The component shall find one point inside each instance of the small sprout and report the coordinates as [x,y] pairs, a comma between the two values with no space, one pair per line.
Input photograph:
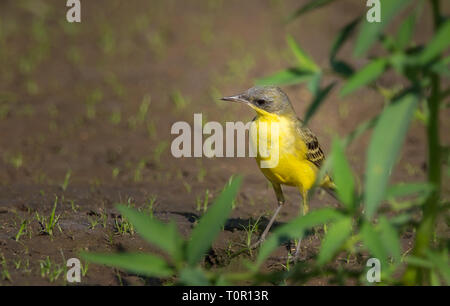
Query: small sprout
[48,224]
[22,229]
[150,205]
[48,269]
[179,101]
[115,173]
[115,117]
[159,150]
[5,272]
[65,184]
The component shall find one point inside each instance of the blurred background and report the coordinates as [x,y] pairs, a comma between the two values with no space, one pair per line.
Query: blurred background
[86,110]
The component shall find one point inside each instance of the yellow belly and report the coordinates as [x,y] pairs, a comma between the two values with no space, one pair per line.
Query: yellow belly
[292,168]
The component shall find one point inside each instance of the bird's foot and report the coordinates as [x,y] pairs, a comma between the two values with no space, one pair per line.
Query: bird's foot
[295,251]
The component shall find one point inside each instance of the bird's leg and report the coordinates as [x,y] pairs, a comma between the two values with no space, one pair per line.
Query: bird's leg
[305,209]
[280,198]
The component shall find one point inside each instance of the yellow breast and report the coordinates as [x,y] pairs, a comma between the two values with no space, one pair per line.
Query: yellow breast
[275,139]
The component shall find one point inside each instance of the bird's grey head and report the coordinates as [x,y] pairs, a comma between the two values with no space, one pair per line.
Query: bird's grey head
[267,98]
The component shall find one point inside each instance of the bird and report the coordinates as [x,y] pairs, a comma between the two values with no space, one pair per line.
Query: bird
[300,156]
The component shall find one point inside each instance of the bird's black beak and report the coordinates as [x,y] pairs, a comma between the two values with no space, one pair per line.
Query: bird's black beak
[238,98]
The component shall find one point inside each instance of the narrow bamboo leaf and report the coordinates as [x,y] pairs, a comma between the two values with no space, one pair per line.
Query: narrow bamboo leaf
[442,67]
[400,220]
[334,239]
[211,223]
[441,262]
[406,32]
[343,176]
[373,243]
[370,31]
[317,102]
[438,44]
[343,35]
[305,61]
[164,236]
[310,6]
[139,263]
[434,278]
[193,277]
[314,83]
[390,239]
[419,262]
[367,74]
[295,229]
[286,77]
[343,68]
[406,189]
[385,144]
[360,129]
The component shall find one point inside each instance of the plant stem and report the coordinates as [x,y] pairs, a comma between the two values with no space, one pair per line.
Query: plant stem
[424,235]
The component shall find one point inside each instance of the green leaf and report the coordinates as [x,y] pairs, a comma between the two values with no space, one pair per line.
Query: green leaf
[401,219]
[295,229]
[314,83]
[442,67]
[441,262]
[211,223]
[342,68]
[390,239]
[343,35]
[334,239]
[317,102]
[360,129]
[418,262]
[385,144]
[190,276]
[367,74]
[139,263]
[406,32]
[434,278]
[343,176]
[164,236]
[406,189]
[372,241]
[369,32]
[438,44]
[286,77]
[311,5]
[305,62]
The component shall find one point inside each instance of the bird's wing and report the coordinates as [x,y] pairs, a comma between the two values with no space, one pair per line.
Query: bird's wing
[313,151]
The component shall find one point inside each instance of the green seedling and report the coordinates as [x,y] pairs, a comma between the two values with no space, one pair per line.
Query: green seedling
[50,270]
[205,201]
[115,173]
[115,117]
[250,230]
[48,224]
[184,254]
[22,230]
[150,205]
[5,271]
[159,150]
[65,184]
[179,101]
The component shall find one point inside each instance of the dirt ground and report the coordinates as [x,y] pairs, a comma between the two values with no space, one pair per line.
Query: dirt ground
[94,103]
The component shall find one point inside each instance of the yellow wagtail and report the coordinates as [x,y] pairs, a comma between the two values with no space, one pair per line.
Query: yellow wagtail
[299,154]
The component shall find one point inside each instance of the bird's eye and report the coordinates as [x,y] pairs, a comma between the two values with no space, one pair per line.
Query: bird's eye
[260,101]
